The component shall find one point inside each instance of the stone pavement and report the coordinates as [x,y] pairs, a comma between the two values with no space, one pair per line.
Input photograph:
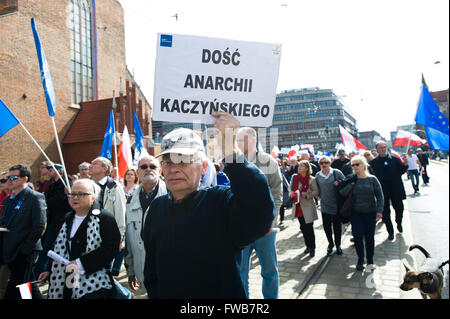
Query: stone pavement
[333,277]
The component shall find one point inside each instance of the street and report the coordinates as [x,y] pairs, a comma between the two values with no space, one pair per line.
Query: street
[429,216]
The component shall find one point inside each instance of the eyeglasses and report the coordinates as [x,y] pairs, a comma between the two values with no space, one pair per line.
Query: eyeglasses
[3,180]
[356,164]
[324,163]
[13,177]
[78,195]
[183,162]
[145,166]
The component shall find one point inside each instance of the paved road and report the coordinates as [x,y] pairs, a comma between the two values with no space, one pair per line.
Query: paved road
[429,213]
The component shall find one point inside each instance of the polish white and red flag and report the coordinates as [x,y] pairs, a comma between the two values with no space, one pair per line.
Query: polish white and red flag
[293,151]
[396,154]
[404,137]
[124,154]
[349,141]
[25,290]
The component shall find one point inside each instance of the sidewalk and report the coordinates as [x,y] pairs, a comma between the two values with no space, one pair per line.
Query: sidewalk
[334,277]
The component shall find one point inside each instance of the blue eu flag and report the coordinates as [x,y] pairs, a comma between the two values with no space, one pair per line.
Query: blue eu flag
[138,135]
[108,137]
[8,119]
[435,122]
[45,72]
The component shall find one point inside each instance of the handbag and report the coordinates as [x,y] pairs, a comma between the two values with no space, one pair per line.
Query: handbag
[346,210]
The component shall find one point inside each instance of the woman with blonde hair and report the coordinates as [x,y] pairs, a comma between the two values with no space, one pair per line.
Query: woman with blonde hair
[328,179]
[303,189]
[367,209]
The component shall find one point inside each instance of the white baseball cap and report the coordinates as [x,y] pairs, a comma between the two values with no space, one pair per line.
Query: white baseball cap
[181,141]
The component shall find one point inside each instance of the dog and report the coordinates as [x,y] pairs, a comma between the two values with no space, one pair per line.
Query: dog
[429,279]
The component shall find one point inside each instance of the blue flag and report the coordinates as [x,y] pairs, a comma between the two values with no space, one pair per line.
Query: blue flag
[138,135]
[8,119]
[436,139]
[428,113]
[108,137]
[45,72]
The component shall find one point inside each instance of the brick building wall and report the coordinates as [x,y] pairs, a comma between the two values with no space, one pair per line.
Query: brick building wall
[21,87]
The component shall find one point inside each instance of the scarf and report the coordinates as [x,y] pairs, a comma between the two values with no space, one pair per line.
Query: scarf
[80,284]
[304,182]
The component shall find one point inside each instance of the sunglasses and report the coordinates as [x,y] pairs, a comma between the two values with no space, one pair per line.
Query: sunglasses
[3,180]
[145,166]
[78,195]
[324,163]
[356,164]
[13,177]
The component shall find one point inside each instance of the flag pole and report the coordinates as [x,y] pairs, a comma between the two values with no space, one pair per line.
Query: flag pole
[42,151]
[115,149]
[60,153]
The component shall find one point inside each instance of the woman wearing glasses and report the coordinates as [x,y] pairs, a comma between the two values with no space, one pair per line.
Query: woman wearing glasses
[367,208]
[328,180]
[89,239]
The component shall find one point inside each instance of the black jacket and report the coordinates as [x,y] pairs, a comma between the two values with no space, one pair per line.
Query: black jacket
[193,248]
[57,203]
[389,171]
[26,225]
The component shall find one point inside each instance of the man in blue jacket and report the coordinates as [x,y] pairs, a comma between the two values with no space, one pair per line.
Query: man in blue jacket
[193,236]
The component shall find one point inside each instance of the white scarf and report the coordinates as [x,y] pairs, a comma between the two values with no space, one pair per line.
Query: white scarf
[86,284]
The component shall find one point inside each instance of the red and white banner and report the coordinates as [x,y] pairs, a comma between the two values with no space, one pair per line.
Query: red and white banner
[403,137]
[124,154]
[350,142]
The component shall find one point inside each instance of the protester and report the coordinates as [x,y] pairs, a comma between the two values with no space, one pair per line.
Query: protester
[315,164]
[130,182]
[369,156]
[347,167]
[222,178]
[23,214]
[57,207]
[303,189]
[152,186]
[4,270]
[328,181]
[4,189]
[424,162]
[367,208]
[83,170]
[340,161]
[414,168]
[209,178]
[194,236]
[265,246]
[44,179]
[389,170]
[89,238]
[112,199]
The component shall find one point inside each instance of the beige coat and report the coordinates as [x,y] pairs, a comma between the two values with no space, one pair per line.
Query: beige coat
[308,204]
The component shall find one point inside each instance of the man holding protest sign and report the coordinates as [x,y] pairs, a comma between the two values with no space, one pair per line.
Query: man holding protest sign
[204,228]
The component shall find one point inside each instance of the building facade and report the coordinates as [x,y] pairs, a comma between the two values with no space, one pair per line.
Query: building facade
[311,116]
[84,43]
[369,139]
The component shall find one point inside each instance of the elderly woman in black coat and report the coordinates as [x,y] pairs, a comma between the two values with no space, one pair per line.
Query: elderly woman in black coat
[89,239]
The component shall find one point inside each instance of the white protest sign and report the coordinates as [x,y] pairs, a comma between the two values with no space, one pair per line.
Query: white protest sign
[195,76]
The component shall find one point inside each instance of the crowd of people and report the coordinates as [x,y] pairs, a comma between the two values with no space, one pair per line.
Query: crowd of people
[181,206]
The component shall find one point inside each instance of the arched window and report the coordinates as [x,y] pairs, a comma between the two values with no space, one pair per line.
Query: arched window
[81,65]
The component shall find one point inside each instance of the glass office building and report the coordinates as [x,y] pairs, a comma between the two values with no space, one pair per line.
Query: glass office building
[311,116]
